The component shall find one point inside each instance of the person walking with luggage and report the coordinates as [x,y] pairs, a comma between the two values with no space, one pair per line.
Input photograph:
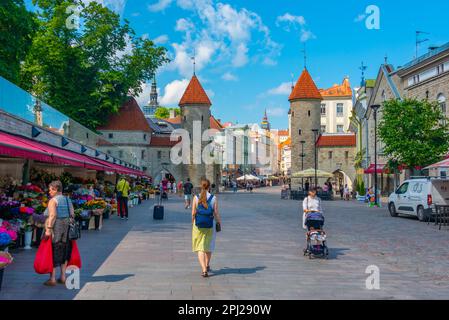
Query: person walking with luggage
[204,212]
[122,197]
[59,212]
[188,187]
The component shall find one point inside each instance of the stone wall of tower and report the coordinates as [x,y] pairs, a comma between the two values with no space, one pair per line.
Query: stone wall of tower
[189,114]
[305,116]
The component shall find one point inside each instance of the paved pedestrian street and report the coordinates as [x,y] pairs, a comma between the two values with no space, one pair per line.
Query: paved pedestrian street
[258,256]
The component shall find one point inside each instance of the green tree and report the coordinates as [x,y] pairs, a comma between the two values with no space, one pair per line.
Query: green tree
[415,133]
[17,27]
[162,113]
[87,72]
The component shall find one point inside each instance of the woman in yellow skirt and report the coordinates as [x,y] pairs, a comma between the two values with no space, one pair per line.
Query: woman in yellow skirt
[205,216]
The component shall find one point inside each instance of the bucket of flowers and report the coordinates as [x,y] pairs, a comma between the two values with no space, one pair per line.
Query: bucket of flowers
[97,208]
[8,234]
[5,260]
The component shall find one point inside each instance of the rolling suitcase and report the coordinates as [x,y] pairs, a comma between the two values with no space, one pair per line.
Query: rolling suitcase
[158,210]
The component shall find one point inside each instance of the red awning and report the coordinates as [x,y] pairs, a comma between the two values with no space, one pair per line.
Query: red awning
[380,169]
[21,147]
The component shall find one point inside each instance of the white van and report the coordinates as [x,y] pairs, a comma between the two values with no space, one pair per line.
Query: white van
[418,197]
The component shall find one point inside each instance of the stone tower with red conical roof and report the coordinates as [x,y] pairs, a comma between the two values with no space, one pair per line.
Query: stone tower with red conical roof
[305,103]
[195,118]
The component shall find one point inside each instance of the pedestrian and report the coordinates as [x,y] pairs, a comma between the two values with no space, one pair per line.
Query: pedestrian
[341,191]
[205,216]
[180,184]
[306,186]
[346,193]
[174,188]
[234,186]
[188,187]
[59,212]
[311,204]
[251,186]
[122,190]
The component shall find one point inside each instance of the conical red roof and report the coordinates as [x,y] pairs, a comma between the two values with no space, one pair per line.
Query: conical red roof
[129,118]
[194,94]
[305,88]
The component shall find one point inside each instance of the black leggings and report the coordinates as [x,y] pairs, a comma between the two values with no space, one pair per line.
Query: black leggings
[122,204]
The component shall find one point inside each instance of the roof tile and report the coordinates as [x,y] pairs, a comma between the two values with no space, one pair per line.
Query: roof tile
[305,88]
[129,118]
[194,94]
[337,140]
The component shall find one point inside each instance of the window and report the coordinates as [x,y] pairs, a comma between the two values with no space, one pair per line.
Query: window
[159,155]
[330,155]
[120,154]
[323,109]
[300,132]
[402,189]
[340,109]
[323,129]
[440,69]
[442,102]
[142,156]
[308,113]
[87,135]
[340,128]
[346,155]
[145,137]
[109,151]
[111,135]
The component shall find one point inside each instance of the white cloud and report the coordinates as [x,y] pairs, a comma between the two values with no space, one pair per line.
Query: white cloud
[306,35]
[162,39]
[173,92]
[276,112]
[144,96]
[289,20]
[210,93]
[184,25]
[161,5]
[221,34]
[228,76]
[241,56]
[284,88]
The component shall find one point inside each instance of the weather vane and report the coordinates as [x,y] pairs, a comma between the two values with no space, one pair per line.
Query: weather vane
[305,56]
[194,62]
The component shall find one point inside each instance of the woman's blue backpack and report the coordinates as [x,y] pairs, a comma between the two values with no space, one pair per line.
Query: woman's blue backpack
[204,218]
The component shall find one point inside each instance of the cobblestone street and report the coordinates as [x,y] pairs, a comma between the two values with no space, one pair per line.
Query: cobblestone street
[258,256]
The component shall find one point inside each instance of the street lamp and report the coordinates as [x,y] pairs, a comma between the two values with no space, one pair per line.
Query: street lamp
[315,134]
[302,161]
[375,108]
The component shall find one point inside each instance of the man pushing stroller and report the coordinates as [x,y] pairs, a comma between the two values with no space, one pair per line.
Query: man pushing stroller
[313,222]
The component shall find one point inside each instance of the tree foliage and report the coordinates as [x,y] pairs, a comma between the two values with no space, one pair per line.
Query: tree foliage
[17,27]
[162,113]
[87,72]
[415,133]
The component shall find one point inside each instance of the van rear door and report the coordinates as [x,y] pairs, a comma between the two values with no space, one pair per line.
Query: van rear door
[440,192]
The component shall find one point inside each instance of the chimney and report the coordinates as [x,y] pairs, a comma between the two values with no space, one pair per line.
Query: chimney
[172,113]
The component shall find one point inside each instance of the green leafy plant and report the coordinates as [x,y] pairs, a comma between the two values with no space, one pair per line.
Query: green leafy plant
[414,132]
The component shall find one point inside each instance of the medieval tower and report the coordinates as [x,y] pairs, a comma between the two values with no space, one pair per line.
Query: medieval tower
[305,104]
[195,118]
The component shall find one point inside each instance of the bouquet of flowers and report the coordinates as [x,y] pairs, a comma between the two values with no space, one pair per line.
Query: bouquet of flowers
[31,188]
[38,220]
[97,206]
[9,232]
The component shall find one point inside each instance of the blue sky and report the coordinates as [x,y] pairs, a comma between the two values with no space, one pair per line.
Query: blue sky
[247,49]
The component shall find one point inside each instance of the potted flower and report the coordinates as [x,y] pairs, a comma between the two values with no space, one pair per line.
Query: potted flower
[27,228]
[8,234]
[5,260]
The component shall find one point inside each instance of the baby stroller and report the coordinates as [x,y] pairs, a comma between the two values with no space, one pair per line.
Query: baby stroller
[316,237]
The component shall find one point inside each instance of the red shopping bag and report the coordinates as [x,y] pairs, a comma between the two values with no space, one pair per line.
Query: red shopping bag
[75,258]
[43,263]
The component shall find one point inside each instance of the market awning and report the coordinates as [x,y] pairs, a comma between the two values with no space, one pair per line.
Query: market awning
[21,147]
[441,164]
[120,169]
[381,168]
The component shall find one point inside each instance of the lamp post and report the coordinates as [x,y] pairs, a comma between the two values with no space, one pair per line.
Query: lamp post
[375,108]
[315,134]
[302,162]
